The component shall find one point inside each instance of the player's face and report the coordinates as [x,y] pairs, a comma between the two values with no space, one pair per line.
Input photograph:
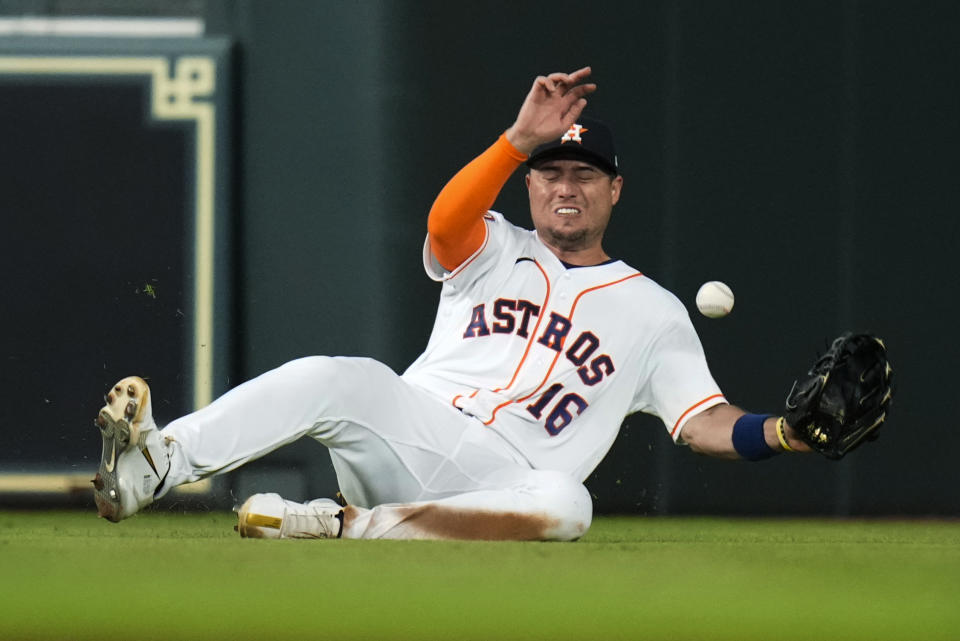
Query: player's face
[570,203]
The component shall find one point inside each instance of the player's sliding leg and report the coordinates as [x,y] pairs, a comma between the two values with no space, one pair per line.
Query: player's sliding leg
[372,421]
[135,459]
[353,406]
[456,481]
[536,506]
[539,505]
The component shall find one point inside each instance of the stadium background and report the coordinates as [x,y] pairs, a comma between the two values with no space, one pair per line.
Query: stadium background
[805,153]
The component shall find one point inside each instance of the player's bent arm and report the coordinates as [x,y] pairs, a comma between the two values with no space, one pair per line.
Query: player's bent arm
[711,433]
[455,223]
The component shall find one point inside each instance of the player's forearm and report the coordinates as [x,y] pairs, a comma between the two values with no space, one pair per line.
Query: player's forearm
[455,223]
[711,433]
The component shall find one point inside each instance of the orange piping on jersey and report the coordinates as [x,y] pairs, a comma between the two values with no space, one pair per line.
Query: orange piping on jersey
[455,223]
[533,336]
[691,408]
[546,378]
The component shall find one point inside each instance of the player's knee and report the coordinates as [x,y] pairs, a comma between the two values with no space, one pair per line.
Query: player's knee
[329,373]
[568,504]
[310,372]
[338,382]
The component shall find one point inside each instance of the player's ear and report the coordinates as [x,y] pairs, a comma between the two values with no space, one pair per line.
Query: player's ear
[616,184]
[527,180]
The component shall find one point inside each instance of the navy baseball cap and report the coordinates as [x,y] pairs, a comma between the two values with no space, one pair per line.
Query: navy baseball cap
[588,140]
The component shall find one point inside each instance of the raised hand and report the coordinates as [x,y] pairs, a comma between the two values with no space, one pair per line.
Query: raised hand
[552,106]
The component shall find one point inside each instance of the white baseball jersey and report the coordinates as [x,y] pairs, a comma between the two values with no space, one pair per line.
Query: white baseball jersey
[552,357]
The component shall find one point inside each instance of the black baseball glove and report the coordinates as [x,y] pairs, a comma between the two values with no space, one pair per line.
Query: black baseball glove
[844,398]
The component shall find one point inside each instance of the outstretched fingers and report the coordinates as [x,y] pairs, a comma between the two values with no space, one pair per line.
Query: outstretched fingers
[559,82]
[571,78]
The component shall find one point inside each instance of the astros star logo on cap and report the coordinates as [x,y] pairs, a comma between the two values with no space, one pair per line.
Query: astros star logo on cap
[574,134]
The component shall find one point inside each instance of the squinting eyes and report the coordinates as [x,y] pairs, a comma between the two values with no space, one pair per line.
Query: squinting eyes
[582,176]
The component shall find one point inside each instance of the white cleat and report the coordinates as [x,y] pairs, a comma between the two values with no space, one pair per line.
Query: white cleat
[269,516]
[135,459]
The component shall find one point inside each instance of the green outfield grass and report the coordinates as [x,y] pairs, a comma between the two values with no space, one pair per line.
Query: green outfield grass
[68,575]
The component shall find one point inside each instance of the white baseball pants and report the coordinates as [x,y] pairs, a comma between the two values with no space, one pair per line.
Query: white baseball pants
[409,465]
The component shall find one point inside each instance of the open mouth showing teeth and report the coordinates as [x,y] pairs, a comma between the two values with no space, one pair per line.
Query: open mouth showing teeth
[567,211]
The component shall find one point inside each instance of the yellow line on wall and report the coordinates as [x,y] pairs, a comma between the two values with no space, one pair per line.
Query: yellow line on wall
[77,482]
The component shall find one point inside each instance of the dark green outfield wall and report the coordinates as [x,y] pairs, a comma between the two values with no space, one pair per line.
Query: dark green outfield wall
[803,152]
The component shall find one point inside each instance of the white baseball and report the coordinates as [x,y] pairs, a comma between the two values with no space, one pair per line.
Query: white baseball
[714,299]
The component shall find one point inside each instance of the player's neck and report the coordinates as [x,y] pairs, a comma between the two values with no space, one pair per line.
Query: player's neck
[582,257]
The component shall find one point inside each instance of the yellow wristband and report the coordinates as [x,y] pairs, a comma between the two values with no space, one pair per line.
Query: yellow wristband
[782,436]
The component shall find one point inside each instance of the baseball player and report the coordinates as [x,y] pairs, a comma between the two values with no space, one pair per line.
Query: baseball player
[542,344]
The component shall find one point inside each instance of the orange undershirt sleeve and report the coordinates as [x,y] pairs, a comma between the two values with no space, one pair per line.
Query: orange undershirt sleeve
[455,224]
